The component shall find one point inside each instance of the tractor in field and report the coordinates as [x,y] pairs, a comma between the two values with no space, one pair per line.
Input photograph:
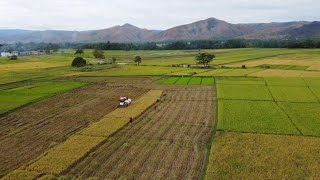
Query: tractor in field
[124,101]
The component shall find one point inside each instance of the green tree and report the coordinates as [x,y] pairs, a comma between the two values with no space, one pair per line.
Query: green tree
[13,57]
[113,60]
[79,51]
[47,51]
[78,62]
[97,53]
[137,60]
[204,58]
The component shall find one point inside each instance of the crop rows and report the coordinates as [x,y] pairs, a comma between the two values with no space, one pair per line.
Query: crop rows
[29,132]
[285,73]
[258,156]
[273,105]
[61,157]
[186,81]
[168,141]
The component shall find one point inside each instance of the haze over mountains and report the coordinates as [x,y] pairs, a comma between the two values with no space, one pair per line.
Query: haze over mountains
[205,29]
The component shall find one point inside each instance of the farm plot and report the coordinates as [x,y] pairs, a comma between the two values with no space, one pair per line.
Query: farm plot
[27,133]
[213,72]
[241,81]
[313,82]
[207,81]
[239,72]
[306,116]
[292,94]
[171,80]
[195,81]
[243,92]
[186,81]
[285,82]
[277,73]
[167,141]
[288,67]
[16,97]
[61,157]
[253,116]
[189,72]
[137,71]
[183,81]
[256,156]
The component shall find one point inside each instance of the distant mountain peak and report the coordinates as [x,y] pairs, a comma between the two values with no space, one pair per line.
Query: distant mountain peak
[127,25]
[210,28]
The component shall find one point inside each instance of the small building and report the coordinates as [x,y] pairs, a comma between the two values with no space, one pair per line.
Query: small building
[25,53]
[41,52]
[5,54]
[34,52]
[16,53]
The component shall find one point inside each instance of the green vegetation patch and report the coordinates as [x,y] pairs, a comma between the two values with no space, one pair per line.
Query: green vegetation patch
[257,156]
[239,72]
[171,80]
[285,82]
[243,92]
[188,72]
[183,81]
[314,82]
[129,70]
[195,81]
[287,67]
[316,92]
[16,97]
[214,72]
[253,116]
[292,94]
[306,116]
[207,81]
[241,80]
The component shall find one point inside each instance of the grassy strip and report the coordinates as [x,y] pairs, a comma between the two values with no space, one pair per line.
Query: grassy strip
[63,156]
[12,99]
[213,132]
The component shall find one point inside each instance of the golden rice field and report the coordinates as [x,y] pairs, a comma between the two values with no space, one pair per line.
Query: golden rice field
[285,73]
[61,157]
[260,121]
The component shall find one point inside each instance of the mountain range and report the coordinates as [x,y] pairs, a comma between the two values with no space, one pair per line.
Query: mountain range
[205,29]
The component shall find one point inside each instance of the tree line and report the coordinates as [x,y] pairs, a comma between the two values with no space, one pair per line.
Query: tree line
[175,45]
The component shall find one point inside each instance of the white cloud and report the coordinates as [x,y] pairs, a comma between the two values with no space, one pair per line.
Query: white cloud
[151,14]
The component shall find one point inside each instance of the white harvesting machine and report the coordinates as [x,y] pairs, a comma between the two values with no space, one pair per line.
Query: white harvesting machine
[124,101]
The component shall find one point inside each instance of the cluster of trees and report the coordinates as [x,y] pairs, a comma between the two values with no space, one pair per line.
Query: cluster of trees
[176,45]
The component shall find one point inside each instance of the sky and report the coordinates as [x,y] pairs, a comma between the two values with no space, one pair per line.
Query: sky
[150,14]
